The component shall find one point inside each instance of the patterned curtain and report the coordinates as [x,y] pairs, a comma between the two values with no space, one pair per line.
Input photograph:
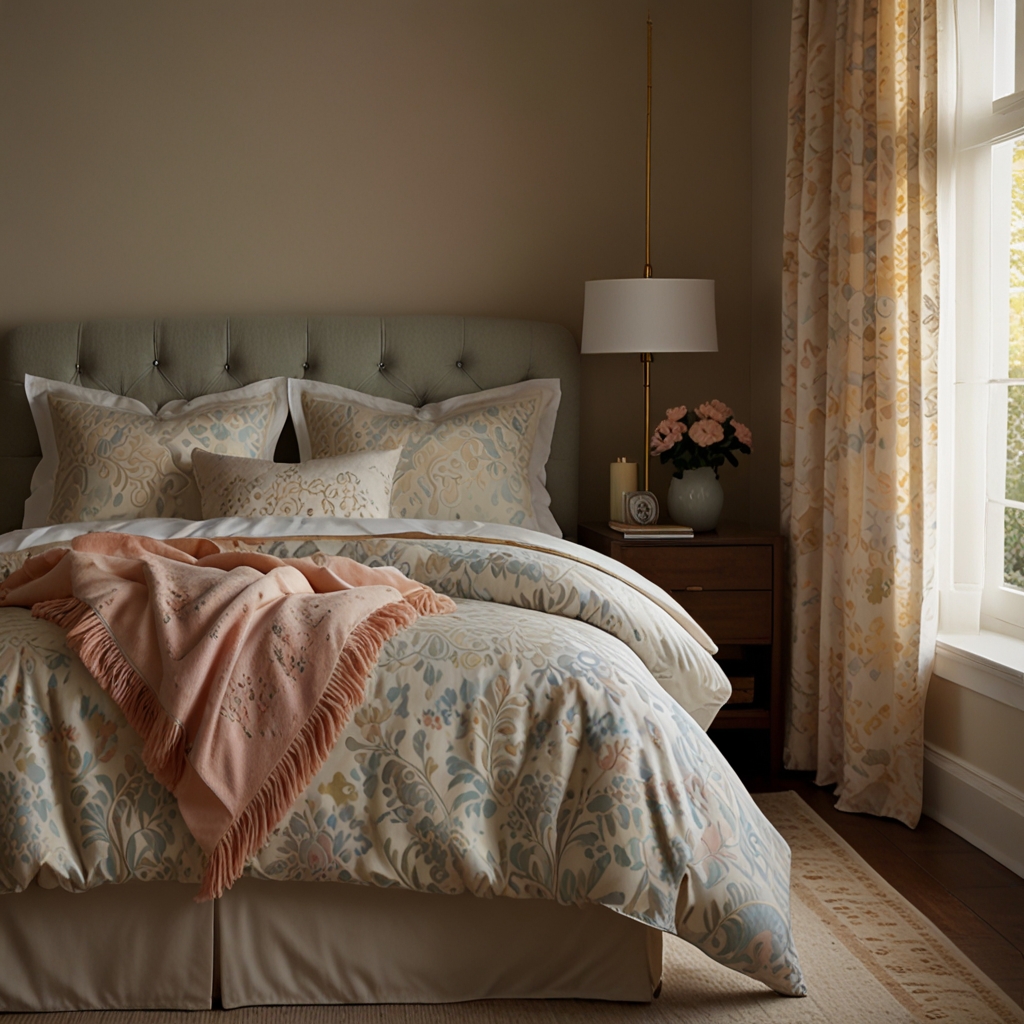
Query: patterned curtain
[859,427]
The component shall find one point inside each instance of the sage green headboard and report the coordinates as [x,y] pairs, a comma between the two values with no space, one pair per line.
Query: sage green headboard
[413,359]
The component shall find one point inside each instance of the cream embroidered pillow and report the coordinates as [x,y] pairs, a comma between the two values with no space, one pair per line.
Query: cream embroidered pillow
[478,457]
[109,457]
[350,486]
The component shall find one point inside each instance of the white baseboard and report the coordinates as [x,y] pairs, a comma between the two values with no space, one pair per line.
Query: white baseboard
[986,811]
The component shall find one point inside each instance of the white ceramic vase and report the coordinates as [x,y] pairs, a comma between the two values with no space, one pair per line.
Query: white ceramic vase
[695,499]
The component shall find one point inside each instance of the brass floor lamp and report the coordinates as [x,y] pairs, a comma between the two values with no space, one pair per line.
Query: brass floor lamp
[649,314]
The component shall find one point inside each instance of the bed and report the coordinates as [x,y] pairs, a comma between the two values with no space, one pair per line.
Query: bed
[413,868]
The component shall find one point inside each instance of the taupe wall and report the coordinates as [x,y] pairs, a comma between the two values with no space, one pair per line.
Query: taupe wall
[769,93]
[980,731]
[191,156]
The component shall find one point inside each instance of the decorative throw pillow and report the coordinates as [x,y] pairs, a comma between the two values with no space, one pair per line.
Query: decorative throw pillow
[108,457]
[350,486]
[480,456]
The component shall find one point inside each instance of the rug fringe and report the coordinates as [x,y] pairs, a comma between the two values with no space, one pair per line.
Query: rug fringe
[311,747]
[163,737]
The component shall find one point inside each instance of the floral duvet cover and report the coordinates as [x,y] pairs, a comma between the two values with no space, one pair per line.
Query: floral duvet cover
[544,741]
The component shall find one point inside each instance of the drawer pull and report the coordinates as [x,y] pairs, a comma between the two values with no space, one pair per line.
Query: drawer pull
[694,588]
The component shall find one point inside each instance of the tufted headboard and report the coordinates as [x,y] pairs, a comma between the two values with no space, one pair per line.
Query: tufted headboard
[413,359]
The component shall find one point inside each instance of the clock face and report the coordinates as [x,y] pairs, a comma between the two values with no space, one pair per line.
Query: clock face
[642,508]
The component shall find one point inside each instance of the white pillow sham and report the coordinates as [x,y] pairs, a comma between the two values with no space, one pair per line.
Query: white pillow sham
[108,457]
[475,457]
[350,486]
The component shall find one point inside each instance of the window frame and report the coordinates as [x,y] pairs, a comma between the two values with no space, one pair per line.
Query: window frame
[977,134]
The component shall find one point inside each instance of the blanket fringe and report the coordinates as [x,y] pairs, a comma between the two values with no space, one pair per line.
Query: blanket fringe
[429,602]
[163,737]
[317,738]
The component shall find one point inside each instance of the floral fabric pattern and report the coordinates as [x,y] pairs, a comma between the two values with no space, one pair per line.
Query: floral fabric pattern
[116,464]
[353,486]
[77,806]
[476,462]
[859,419]
[494,754]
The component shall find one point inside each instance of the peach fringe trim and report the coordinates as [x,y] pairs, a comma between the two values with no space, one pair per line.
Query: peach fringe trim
[164,737]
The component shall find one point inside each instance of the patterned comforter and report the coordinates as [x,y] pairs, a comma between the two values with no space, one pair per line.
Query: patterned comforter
[544,741]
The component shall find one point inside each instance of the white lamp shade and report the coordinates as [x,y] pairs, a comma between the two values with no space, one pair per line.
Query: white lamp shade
[649,314]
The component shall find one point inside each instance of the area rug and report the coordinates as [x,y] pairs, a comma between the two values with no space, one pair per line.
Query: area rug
[868,955]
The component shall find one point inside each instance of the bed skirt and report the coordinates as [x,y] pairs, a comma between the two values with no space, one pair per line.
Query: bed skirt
[149,945]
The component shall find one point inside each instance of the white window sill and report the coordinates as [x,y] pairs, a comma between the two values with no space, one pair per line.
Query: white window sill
[991,664]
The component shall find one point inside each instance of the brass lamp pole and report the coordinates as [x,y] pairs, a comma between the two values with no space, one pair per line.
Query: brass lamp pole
[645,357]
[648,314]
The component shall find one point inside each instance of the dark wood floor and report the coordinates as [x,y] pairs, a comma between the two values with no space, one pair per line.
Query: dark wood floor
[977,902]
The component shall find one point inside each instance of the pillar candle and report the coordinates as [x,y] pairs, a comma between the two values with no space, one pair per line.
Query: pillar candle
[623,479]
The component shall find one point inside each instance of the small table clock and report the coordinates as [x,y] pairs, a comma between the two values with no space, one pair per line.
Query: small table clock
[641,508]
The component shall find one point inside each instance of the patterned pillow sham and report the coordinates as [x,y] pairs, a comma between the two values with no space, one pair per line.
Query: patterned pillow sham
[479,457]
[108,457]
[349,486]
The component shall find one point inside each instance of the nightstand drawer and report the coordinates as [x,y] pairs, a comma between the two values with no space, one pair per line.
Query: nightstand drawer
[739,567]
[730,615]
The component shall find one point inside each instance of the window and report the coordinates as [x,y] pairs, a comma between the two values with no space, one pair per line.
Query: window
[982,358]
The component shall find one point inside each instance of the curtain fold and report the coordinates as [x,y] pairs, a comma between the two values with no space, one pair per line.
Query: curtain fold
[859,417]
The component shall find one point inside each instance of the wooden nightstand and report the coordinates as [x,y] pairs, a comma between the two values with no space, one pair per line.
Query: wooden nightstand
[730,581]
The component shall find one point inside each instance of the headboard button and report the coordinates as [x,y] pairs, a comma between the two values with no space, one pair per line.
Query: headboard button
[156,362]
[459,364]
[227,366]
[78,368]
[380,366]
[305,366]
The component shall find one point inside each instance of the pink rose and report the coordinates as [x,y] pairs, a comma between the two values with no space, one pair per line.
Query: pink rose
[662,441]
[714,410]
[705,432]
[743,434]
[675,414]
[658,438]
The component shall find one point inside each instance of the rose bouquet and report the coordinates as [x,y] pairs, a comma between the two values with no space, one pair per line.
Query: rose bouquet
[705,436]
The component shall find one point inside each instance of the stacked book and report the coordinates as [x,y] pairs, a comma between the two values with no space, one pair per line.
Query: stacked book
[657,531]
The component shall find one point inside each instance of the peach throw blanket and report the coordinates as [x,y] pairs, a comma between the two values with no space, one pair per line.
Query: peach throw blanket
[238,670]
